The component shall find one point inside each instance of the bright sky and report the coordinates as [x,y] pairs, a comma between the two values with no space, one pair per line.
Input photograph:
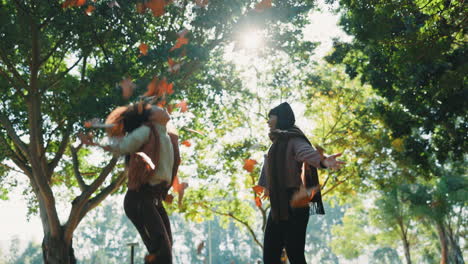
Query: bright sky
[14,223]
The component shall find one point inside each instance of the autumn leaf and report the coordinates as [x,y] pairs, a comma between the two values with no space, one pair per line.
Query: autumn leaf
[168,87]
[200,247]
[179,188]
[258,189]
[181,40]
[157,7]
[72,3]
[264,4]
[249,165]
[183,106]
[143,49]
[201,3]
[159,88]
[186,143]
[149,163]
[113,4]
[173,66]
[86,138]
[152,88]
[169,198]
[258,201]
[141,8]
[183,32]
[89,11]
[194,131]
[127,87]
[170,108]
[161,103]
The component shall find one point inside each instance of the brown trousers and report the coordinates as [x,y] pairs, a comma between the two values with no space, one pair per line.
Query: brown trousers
[145,209]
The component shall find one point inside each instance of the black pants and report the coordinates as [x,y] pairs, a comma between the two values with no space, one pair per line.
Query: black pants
[145,210]
[289,234]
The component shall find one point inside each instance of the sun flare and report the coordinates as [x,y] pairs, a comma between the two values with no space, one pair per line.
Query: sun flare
[251,40]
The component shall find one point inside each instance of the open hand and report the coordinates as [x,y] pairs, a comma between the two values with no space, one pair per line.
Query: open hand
[332,163]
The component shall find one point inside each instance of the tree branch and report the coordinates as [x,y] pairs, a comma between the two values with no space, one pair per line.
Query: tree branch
[334,186]
[16,158]
[11,168]
[252,233]
[61,75]
[76,169]
[102,176]
[12,69]
[81,205]
[54,49]
[58,155]
[5,122]
[11,81]
[112,187]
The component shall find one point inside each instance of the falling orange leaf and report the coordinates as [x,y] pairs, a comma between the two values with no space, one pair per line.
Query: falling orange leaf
[186,143]
[183,32]
[182,40]
[152,88]
[113,4]
[157,7]
[249,165]
[141,8]
[170,108]
[183,106]
[200,247]
[201,3]
[149,163]
[173,66]
[258,189]
[89,11]
[143,49]
[179,188]
[159,88]
[127,87]
[264,4]
[258,201]
[168,87]
[169,198]
[86,139]
[194,131]
[71,3]
[161,103]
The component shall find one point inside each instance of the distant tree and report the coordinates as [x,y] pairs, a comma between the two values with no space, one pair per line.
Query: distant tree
[413,54]
[31,255]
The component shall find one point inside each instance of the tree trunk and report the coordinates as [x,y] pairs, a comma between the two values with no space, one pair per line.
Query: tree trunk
[455,253]
[443,243]
[57,250]
[406,247]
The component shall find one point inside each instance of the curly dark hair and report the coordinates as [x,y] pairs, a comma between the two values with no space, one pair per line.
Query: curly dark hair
[135,116]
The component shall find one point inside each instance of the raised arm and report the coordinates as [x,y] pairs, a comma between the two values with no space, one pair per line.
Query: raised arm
[131,142]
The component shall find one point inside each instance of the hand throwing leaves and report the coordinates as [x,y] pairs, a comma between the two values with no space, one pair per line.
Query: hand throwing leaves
[332,163]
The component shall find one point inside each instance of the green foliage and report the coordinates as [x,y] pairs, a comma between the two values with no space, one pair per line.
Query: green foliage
[412,53]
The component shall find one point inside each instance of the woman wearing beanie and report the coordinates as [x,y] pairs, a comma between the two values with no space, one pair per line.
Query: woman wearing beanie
[291,165]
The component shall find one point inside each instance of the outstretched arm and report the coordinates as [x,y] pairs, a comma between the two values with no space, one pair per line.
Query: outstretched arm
[315,157]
